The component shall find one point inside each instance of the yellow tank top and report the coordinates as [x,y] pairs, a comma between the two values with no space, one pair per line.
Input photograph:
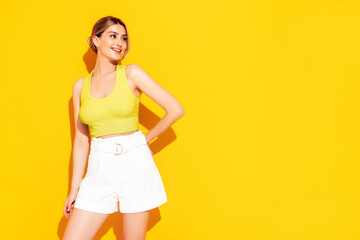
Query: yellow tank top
[115,113]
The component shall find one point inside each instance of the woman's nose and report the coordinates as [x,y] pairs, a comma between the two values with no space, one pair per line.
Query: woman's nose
[119,43]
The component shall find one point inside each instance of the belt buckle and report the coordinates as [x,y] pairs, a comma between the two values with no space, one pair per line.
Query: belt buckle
[117,152]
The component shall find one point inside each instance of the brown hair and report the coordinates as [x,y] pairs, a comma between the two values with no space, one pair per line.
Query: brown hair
[101,25]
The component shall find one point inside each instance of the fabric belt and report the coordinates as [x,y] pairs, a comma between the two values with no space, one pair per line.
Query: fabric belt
[117,147]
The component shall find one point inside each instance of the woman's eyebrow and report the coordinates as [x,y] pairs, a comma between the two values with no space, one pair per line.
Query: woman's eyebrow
[117,33]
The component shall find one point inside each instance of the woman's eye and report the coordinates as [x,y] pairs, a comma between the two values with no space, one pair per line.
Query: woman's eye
[115,37]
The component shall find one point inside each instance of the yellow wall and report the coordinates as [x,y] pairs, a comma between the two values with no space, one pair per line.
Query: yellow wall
[268,148]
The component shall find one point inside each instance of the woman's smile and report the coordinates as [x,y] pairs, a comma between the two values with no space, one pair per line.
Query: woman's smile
[117,50]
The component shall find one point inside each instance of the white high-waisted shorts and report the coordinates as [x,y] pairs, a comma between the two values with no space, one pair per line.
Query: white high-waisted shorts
[120,169]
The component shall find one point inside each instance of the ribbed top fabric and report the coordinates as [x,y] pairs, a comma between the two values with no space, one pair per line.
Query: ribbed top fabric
[116,113]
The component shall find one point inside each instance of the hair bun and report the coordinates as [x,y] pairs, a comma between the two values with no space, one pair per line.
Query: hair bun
[89,41]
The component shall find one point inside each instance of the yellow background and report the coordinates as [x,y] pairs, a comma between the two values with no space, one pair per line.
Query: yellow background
[267,149]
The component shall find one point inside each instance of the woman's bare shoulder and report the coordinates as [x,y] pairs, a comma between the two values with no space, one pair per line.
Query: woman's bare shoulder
[134,72]
[78,84]
[133,68]
[129,68]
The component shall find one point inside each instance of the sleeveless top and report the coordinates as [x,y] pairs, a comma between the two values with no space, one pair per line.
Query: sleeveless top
[115,113]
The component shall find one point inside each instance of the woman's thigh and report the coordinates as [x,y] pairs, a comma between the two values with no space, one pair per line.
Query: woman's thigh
[83,224]
[134,225]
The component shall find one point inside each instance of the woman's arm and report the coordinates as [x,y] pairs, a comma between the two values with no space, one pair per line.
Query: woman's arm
[174,110]
[81,140]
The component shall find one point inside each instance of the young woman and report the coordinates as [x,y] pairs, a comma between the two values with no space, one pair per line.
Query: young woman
[121,169]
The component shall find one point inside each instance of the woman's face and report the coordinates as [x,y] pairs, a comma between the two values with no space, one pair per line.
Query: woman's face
[113,42]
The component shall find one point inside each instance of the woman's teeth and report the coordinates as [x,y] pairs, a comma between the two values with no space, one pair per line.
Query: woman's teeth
[118,51]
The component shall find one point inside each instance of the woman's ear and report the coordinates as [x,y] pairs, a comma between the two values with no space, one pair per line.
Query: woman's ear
[96,41]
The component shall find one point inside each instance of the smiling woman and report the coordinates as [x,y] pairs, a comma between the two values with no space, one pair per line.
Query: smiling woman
[121,168]
[98,29]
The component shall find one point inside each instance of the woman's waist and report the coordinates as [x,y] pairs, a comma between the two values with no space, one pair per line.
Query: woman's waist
[118,144]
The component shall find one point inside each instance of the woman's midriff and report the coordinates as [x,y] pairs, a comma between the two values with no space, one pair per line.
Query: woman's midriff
[118,134]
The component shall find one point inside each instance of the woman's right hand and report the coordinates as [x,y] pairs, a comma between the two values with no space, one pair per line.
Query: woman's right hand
[69,204]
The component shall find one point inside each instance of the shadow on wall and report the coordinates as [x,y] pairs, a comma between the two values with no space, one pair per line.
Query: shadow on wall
[146,118]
